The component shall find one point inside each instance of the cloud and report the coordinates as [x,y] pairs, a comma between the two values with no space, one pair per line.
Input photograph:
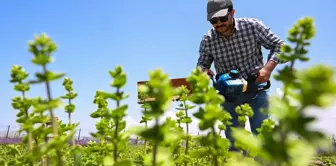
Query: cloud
[130,122]
[325,117]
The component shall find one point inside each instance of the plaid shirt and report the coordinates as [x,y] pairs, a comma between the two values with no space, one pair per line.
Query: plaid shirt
[242,50]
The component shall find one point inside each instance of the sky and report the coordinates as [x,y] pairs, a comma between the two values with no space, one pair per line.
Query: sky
[94,37]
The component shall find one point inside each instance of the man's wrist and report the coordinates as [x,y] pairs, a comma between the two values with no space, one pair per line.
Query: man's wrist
[270,65]
[204,69]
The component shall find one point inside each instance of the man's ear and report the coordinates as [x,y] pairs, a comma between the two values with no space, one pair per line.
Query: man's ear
[233,12]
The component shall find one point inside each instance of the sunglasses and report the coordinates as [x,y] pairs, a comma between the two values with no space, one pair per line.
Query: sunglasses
[221,19]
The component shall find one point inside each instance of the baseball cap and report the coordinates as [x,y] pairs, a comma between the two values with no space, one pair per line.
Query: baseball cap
[217,8]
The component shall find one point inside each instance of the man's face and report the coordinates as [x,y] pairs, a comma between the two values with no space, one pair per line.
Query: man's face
[223,24]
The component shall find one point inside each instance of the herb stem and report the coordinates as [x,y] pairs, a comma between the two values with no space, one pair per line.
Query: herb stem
[187,128]
[70,121]
[155,147]
[146,125]
[215,159]
[49,99]
[115,142]
[145,146]
[30,138]
[53,124]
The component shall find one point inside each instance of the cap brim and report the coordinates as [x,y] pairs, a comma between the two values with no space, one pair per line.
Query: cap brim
[219,13]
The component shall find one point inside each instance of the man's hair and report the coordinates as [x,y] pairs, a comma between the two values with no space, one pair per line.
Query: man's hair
[230,8]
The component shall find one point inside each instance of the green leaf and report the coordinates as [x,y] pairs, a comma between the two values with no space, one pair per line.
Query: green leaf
[119,77]
[70,108]
[22,87]
[41,59]
[124,163]
[205,125]
[108,161]
[18,74]
[122,125]
[197,98]
[163,158]
[95,115]
[299,158]
[49,76]
[245,140]
[186,120]
[118,113]
[119,81]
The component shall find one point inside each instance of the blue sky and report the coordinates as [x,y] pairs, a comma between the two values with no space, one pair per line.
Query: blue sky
[95,36]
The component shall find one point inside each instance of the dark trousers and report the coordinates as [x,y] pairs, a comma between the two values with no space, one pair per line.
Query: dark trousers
[256,103]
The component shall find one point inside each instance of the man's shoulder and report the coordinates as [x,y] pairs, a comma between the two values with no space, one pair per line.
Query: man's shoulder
[211,33]
[247,22]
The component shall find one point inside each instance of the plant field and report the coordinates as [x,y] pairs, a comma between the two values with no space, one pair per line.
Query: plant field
[132,153]
[286,141]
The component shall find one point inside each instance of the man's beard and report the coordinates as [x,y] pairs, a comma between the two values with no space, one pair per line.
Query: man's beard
[224,29]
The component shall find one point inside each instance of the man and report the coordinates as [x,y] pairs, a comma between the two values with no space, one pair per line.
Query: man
[235,43]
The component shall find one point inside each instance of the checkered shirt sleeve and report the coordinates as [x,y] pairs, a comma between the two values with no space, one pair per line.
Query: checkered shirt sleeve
[240,51]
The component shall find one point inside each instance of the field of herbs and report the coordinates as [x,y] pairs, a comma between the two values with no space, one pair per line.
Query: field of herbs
[288,141]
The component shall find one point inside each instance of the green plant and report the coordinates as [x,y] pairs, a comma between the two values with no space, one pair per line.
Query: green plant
[183,117]
[145,118]
[70,108]
[22,104]
[111,124]
[214,145]
[36,123]
[160,135]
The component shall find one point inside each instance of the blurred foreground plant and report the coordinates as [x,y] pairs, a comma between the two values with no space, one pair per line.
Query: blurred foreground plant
[183,117]
[290,141]
[161,135]
[209,113]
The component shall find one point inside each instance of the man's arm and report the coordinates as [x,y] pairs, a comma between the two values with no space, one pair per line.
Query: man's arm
[205,59]
[273,43]
[269,40]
